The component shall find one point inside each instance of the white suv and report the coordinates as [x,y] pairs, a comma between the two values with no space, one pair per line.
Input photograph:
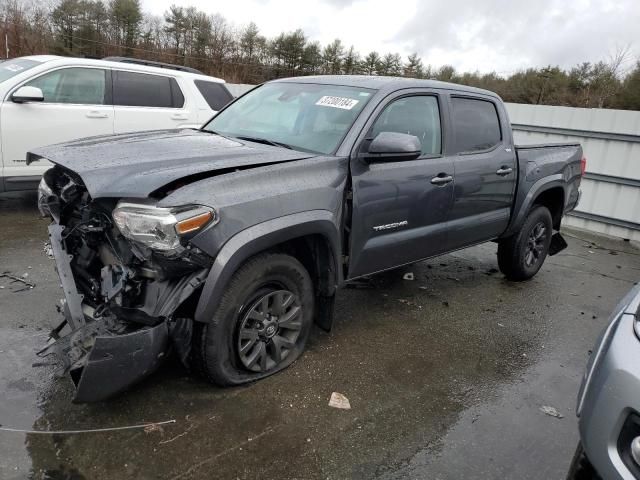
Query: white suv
[48,99]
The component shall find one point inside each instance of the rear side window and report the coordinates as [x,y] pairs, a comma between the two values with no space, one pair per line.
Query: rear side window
[143,90]
[476,124]
[80,86]
[216,94]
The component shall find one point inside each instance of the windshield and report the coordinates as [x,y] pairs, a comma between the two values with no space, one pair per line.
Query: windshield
[304,116]
[13,67]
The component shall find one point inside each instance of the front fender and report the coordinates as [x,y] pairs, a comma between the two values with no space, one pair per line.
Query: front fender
[258,238]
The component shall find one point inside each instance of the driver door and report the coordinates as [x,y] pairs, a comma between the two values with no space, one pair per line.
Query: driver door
[400,207]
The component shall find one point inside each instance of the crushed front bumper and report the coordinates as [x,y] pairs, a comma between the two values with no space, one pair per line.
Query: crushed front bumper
[117,362]
[103,354]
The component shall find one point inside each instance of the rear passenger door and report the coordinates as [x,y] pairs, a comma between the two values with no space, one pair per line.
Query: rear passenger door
[485,171]
[145,101]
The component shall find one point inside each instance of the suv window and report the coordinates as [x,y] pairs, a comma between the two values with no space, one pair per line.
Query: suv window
[145,90]
[11,68]
[476,124]
[418,116]
[84,86]
[216,94]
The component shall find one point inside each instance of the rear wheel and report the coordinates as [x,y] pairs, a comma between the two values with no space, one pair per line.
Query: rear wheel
[261,325]
[521,255]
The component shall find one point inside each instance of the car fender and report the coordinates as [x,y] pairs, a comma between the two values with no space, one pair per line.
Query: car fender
[258,238]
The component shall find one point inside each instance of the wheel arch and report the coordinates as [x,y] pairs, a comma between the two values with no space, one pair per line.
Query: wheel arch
[554,199]
[548,191]
[312,237]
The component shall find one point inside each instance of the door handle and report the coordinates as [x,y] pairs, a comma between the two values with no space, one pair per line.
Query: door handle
[96,114]
[502,171]
[442,179]
[179,116]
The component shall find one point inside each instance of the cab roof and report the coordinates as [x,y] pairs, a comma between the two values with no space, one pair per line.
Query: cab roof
[384,83]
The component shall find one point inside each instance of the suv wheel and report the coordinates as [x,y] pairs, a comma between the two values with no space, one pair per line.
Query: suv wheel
[261,325]
[521,256]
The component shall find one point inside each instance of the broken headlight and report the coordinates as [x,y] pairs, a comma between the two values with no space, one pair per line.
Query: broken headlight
[160,228]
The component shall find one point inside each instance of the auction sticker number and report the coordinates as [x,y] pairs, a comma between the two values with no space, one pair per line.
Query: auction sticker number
[337,102]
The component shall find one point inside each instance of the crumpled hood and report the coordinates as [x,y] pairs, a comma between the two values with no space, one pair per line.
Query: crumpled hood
[137,164]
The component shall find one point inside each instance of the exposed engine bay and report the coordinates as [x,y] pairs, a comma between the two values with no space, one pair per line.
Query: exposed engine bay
[125,305]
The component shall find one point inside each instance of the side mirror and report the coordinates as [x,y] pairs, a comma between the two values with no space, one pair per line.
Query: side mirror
[27,94]
[394,146]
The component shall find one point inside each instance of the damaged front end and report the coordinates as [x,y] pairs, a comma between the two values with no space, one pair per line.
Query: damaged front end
[130,280]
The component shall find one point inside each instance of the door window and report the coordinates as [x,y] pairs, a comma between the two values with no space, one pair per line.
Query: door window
[216,94]
[84,86]
[418,116]
[144,90]
[476,124]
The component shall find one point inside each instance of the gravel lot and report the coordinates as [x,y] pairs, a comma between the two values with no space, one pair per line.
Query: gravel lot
[445,374]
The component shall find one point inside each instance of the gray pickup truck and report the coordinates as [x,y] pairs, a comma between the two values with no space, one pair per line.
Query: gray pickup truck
[225,244]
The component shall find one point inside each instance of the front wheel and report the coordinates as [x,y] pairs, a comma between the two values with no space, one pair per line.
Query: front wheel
[521,255]
[261,325]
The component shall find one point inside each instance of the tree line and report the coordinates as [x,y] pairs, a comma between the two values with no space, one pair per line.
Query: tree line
[241,54]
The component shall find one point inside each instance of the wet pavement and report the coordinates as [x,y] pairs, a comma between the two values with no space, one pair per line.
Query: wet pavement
[445,374]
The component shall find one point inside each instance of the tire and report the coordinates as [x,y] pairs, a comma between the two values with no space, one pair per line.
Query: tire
[261,325]
[521,255]
[581,468]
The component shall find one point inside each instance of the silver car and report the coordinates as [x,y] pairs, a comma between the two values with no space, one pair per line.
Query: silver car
[609,400]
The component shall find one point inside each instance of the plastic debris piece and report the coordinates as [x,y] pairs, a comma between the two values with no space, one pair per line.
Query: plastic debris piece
[551,411]
[338,400]
[48,251]
[409,276]
[15,279]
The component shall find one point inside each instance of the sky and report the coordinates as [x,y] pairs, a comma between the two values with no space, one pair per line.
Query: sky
[472,35]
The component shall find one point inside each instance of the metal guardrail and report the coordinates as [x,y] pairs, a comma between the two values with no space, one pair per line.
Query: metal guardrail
[571,132]
[608,220]
[601,177]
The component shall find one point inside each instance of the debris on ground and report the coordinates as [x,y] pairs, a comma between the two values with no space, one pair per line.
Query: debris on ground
[48,251]
[146,426]
[491,271]
[15,279]
[408,276]
[551,411]
[338,400]
[364,282]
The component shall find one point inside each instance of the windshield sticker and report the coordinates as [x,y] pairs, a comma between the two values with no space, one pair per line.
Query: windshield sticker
[13,68]
[337,102]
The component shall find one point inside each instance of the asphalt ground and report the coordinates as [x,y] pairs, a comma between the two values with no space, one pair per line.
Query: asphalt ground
[445,374]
